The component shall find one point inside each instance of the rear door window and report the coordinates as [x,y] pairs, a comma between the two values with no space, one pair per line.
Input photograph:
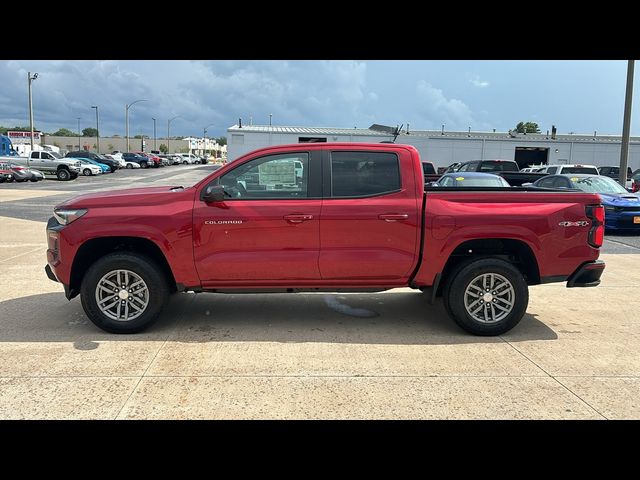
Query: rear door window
[363,174]
[552,170]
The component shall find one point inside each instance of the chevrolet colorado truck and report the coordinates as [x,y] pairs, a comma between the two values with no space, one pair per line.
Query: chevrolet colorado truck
[356,217]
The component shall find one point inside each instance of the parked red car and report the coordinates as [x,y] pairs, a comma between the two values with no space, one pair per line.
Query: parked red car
[323,217]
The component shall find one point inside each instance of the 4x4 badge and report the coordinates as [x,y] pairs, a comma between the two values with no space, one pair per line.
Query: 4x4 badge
[581,223]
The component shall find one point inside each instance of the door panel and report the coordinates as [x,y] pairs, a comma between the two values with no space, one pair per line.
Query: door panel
[254,237]
[371,237]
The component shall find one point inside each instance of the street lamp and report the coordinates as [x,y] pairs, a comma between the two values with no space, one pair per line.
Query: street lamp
[97,129]
[31,79]
[126,118]
[168,129]
[154,134]
[204,136]
[79,148]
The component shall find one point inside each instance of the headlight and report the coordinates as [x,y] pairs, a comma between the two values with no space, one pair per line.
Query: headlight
[65,217]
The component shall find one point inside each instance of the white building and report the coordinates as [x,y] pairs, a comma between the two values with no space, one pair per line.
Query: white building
[445,148]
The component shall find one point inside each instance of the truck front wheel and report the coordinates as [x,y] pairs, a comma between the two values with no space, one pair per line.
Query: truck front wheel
[486,297]
[63,174]
[124,292]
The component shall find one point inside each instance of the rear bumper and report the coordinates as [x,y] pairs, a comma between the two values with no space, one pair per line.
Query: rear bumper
[50,274]
[587,275]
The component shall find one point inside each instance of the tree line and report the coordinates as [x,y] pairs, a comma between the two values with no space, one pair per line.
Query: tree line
[87,132]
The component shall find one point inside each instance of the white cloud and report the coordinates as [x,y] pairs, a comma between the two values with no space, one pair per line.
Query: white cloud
[475,81]
[436,108]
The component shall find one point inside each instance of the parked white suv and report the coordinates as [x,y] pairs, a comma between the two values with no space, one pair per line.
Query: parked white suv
[189,158]
[569,169]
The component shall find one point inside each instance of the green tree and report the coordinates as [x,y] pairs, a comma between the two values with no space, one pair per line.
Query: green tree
[111,147]
[527,127]
[4,130]
[137,136]
[221,140]
[89,132]
[163,148]
[64,132]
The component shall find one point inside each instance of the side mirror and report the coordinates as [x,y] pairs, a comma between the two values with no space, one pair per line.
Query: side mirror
[212,193]
[433,184]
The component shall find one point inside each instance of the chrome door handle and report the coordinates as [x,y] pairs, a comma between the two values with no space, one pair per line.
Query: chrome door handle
[393,217]
[298,218]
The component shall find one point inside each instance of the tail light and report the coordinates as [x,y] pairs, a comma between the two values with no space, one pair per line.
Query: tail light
[635,186]
[596,232]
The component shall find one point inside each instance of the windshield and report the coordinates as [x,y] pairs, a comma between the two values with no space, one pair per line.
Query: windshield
[598,184]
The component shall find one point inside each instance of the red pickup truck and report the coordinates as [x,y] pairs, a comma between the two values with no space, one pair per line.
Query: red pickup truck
[323,217]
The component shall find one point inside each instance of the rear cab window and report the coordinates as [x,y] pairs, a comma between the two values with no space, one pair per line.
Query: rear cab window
[587,170]
[364,174]
[498,166]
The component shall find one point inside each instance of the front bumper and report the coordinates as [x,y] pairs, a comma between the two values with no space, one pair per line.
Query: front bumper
[586,275]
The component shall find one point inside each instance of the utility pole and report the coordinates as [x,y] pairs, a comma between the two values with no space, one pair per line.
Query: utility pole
[79,148]
[30,80]
[126,118]
[97,130]
[626,126]
[154,133]
[168,130]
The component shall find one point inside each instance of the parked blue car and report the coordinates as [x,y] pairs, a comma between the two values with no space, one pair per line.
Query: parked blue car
[622,209]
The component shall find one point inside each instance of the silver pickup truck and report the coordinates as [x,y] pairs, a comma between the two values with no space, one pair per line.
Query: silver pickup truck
[51,163]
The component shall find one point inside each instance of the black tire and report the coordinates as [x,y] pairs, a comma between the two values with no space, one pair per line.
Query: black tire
[142,266]
[129,166]
[144,164]
[185,163]
[464,274]
[63,174]
[86,172]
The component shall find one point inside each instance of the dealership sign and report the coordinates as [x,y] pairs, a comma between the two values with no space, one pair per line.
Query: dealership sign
[23,137]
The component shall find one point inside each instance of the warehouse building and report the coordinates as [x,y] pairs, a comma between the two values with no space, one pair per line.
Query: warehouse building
[444,148]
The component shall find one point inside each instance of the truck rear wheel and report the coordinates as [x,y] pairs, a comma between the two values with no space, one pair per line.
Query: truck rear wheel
[486,297]
[124,292]
[63,174]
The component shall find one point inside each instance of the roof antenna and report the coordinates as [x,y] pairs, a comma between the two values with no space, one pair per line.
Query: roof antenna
[240,123]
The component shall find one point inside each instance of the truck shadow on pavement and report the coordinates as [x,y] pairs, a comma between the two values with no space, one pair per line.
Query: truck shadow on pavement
[382,318]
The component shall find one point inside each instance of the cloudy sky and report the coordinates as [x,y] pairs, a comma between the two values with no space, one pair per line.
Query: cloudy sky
[576,96]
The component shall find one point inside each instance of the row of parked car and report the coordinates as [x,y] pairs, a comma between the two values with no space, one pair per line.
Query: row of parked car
[622,205]
[73,164]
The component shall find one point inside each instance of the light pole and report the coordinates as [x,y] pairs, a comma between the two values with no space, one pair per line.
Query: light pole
[204,136]
[97,129]
[31,79]
[79,148]
[626,124]
[168,130]
[126,119]
[154,134]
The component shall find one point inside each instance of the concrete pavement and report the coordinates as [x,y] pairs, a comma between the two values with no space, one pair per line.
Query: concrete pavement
[575,355]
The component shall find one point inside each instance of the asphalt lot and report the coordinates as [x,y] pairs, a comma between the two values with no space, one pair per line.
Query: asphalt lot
[575,355]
